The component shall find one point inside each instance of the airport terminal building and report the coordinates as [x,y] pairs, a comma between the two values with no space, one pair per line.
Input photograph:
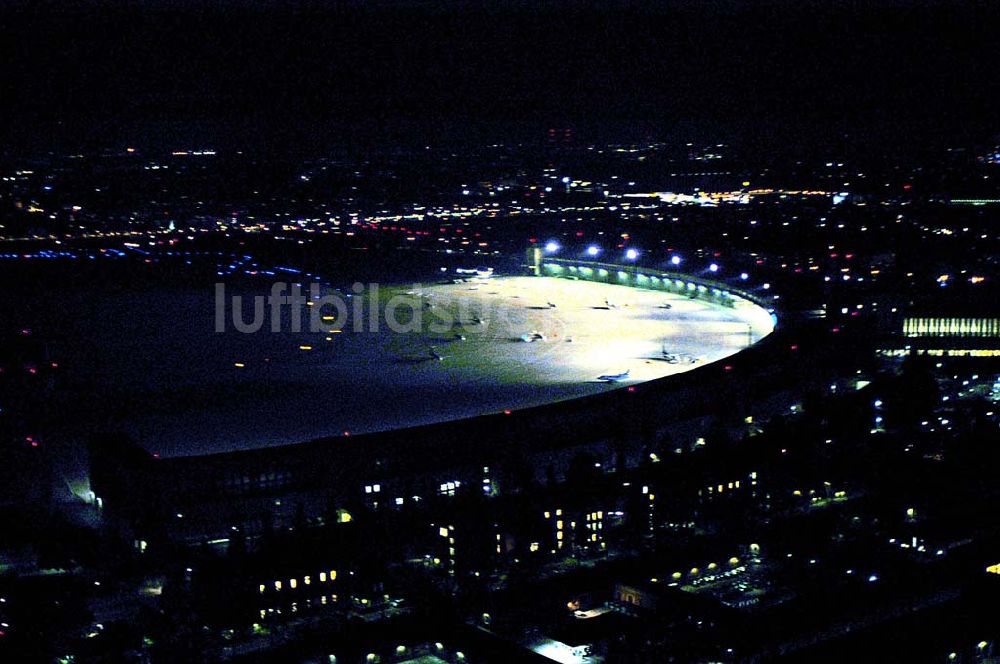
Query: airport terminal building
[195,500]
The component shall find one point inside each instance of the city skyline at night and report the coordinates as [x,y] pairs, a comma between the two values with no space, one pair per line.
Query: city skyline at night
[422,332]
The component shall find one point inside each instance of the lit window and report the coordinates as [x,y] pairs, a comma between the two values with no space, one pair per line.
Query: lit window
[448,488]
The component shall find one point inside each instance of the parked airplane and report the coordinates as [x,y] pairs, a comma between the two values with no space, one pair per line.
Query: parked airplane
[614,378]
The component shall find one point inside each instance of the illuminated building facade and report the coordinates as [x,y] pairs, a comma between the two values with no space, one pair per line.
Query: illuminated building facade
[963,337]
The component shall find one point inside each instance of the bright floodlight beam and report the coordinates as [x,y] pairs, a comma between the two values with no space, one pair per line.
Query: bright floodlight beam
[551,247]
[632,254]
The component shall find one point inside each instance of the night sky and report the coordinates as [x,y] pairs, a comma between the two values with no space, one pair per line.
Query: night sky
[777,73]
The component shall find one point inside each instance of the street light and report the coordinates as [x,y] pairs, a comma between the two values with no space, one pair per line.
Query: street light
[675,260]
[632,254]
[714,267]
[551,247]
[593,250]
